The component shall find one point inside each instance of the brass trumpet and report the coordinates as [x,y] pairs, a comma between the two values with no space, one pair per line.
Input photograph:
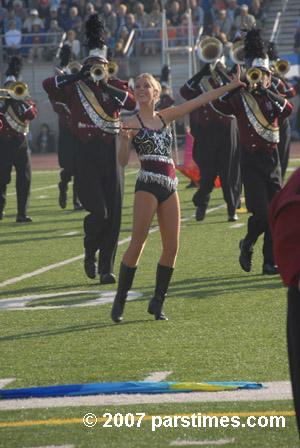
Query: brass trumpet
[112,69]
[282,66]
[254,76]
[98,72]
[18,91]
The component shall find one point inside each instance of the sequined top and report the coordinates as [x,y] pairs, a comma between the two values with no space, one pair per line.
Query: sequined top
[154,149]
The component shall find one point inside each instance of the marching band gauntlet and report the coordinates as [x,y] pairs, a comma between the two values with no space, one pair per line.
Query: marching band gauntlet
[119,95]
[66,80]
[278,100]
[194,81]
[228,95]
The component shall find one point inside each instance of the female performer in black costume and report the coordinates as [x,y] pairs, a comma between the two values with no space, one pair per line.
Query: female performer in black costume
[155,190]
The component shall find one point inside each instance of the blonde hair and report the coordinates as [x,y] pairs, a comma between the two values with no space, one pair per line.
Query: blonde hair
[153,81]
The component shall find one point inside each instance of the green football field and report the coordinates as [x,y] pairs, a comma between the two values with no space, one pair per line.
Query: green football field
[224,325]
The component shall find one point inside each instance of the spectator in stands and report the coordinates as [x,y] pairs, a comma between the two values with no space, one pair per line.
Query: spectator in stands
[3,11]
[258,13]
[123,34]
[244,20]
[74,44]
[132,25]
[223,23]
[81,4]
[98,5]
[110,18]
[150,46]
[131,4]
[197,13]
[63,14]
[232,11]
[171,33]
[36,50]
[119,48]
[13,38]
[156,16]
[141,16]
[44,11]
[80,30]
[33,17]
[121,16]
[70,22]
[210,17]
[11,15]
[20,11]
[90,10]
[53,40]
[45,141]
[297,36]
[174,14]
[183,30]
[110,41]
[53,16]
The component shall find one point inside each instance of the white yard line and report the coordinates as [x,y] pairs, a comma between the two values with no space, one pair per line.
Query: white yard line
[279,390]
[79,257]
[201,442]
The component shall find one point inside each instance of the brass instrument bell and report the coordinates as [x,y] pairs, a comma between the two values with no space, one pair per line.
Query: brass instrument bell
[210,49]
[98,72]
[18,90]
[254,76]
[282,66]
[112,69]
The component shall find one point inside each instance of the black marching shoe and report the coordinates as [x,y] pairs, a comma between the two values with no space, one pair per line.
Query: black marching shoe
[62,199]
[233,218]
[126,276]
[1,214]
[245,257]
[156,304]
[269,269]
[200,213]
[90,265]
[23,218]
[107,279]
[78,206]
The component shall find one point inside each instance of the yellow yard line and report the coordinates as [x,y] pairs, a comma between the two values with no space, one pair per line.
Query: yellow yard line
[68,421]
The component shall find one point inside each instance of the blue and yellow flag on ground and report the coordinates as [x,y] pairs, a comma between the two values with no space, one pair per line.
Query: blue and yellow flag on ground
[127,387]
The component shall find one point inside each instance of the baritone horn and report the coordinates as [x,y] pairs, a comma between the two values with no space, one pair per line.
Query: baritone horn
[282,66]
[236,53]
[254,76]
[209,49]
[98,72]
[112,69]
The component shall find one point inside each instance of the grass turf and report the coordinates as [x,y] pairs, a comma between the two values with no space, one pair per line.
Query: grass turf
[224,324]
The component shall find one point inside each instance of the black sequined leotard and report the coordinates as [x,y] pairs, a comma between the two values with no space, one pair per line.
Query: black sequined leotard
[153,147]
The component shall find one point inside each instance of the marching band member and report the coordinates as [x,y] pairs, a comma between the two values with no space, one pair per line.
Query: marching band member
[96,102]
[284,218]
[282,86]
[14,148]
[65,147]
[216,144]
[257,109]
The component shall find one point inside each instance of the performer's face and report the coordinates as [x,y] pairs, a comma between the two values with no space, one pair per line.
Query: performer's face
[266,79]
[144,90]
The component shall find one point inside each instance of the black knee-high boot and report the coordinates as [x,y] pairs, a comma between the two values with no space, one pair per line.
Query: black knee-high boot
[126,276]
[163,277]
